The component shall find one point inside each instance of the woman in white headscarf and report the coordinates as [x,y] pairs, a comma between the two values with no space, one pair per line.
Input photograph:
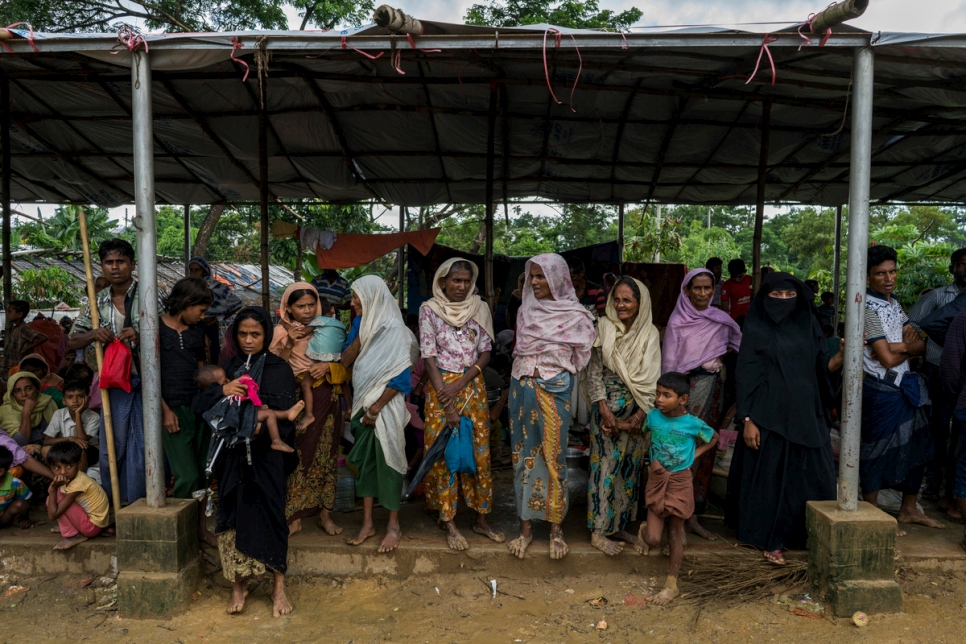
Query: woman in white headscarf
[455,338]
[381,351]
[621,384]
[554,337]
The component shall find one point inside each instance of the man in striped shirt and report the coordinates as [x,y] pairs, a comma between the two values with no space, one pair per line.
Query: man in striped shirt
[942,405]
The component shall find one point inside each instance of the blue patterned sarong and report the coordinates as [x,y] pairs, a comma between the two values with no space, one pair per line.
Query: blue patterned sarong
[128,424]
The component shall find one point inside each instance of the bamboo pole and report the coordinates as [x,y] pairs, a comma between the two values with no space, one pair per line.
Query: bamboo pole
[99,350]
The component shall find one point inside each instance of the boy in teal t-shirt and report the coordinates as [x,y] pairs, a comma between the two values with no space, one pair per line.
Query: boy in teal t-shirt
[675,435]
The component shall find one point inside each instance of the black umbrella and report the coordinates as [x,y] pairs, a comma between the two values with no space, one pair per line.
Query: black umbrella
[433,454]
[233,421]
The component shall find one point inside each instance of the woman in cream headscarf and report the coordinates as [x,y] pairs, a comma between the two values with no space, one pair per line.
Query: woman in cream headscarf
[25,411]
[455,338]
[381,351]
[621,381]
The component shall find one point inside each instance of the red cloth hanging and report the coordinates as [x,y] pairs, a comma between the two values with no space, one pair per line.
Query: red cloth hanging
[351,250]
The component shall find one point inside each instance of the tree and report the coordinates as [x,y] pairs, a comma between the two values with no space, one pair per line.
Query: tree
[62,231]
[181,15]
[45,288]
[563,13]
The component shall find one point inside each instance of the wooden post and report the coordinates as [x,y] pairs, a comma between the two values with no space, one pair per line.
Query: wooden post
[401,260]
[490,159]
[620,235]
[99,352]
[760,198]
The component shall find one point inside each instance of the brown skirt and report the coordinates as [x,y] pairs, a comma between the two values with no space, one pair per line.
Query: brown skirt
[669,493]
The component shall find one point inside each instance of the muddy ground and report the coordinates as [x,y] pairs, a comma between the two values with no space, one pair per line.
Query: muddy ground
[460,608]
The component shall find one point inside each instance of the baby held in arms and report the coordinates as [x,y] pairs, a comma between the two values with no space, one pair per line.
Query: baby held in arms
[214,375]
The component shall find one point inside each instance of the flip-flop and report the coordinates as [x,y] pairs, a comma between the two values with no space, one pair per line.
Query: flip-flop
[775,557]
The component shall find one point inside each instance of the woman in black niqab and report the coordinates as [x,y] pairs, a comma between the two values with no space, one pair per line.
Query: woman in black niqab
[783,456]
[251,528]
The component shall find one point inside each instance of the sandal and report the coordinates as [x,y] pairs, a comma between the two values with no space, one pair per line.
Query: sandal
[775,557]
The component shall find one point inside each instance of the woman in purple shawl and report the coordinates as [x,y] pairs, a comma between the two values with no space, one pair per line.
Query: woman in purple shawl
[698,335]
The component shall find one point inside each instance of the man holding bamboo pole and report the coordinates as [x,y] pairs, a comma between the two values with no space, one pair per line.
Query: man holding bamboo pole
[119,318]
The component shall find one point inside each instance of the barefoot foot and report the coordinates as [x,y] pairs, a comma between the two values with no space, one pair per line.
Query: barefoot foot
[327,524]
[558,547]
[307,421]
[280,446]
[518,547]
[605,545]
[295,410]
[280,604]
[294,526]
[625,536]
[664,597]
[639,543]
[775,557]
[919,519]
[454,539]
[694,526]
[236,603]
[366,532]
[489,533]
[67,544]
[391,540]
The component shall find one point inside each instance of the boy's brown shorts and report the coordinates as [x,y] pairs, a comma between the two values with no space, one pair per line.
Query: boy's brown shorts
[669,493]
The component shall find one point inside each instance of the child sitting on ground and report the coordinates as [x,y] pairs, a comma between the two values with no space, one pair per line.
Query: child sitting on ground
[74,499]
[74,423]
[14,494]
[669,493]
[325,345]
[213,375]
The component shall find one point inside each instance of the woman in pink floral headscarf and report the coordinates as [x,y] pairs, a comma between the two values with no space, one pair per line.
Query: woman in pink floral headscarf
[698,335]
[554,337]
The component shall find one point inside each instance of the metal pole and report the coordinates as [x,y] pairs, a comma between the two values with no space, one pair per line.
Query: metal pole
[657,219]
[401,259]
[263,194]
[837,265]
[5,189]
[187,238]
[141,114]
[490,161]
[859,176]
[620,235]
[760,198]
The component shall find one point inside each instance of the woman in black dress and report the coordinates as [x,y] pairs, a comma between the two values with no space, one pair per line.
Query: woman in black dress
[251,529]
[783,457]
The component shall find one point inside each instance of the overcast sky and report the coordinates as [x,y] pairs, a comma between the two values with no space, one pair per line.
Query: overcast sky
[882,15]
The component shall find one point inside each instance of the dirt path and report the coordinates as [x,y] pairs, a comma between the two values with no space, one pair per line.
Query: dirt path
[463,610]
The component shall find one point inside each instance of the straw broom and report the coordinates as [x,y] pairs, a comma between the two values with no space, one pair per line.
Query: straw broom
[99,350]
[741,573]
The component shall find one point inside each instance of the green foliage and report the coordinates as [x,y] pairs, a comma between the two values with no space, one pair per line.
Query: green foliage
[563,13]
[182,15]
[700,244]
[922,264]
[62,231]
[651,239]
[45,288]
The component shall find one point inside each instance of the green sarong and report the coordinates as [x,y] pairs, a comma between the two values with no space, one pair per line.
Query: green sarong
[187,452]
[375,479]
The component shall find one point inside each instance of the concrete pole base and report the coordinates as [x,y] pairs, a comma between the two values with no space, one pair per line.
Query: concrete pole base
[851,558]
[158,560]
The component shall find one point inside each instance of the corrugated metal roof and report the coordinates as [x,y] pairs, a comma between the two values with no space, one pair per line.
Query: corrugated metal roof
[244,279]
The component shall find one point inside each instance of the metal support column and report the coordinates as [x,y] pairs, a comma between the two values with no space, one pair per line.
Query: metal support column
[263,195]
[837,265]
[187,238]
[620,234]
[760,197]
[859,177]
[490,161]
[146,225]
[5,189]
[401,260]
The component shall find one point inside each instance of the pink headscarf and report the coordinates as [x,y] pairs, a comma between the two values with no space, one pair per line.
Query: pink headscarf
[560,324]
[694,337]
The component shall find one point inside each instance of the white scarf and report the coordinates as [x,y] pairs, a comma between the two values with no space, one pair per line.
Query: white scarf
[387,348]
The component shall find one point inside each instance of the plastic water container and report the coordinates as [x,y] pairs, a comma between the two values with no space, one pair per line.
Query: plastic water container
[345,489]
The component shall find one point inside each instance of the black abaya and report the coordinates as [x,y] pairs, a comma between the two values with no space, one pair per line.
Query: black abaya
[251,498]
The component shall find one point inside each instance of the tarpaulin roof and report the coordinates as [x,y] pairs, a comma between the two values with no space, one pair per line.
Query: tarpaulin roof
[664,116]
